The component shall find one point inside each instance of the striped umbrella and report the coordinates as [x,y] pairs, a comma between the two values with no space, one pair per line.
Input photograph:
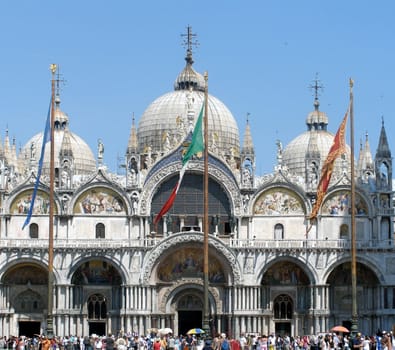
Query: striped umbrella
[196,331]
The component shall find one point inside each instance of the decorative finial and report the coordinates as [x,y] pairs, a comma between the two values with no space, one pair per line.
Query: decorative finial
[351,83]
[58,81]
[248,117]
[53,67]
[382,121]
[189,41]
[316,86]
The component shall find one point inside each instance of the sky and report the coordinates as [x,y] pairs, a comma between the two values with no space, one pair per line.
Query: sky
[116,57]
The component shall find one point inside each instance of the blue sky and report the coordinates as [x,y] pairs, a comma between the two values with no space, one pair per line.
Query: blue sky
[118,56]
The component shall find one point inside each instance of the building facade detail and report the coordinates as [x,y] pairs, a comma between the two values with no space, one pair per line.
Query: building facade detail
[117,270]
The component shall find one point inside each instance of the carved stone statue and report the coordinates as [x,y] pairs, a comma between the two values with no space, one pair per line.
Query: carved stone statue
[33,151]
[100,149]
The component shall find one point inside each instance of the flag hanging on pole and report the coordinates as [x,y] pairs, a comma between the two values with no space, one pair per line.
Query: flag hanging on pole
[196,146]
[338,148]
[46,138]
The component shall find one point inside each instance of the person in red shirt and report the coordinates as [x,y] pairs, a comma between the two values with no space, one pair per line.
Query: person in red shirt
[156,345]
[234,344]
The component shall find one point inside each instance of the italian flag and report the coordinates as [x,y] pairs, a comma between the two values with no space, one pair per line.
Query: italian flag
[196,146]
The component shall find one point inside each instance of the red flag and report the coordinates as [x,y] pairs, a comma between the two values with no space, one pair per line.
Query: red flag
[338,148]
[169,203]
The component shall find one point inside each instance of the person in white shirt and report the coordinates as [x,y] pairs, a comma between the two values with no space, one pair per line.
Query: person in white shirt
[366,343]
[243,342]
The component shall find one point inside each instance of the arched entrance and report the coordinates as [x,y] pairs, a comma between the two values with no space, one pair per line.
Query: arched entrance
[286,286]
[179,277]
[340,293]
[28,283]
[97,287]
[190,311]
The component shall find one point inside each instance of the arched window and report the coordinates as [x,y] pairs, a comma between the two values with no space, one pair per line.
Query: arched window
[97,307]
[33,231]
[28,301]
[344,231]
[385,229]
[278,231]
[283,307]
[100,230]
[383,174]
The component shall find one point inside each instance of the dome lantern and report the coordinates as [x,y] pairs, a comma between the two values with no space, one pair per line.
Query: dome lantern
[166,121]
[189,78]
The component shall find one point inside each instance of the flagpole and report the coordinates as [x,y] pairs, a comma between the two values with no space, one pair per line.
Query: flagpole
[354,316]
[206,314]
[50,334]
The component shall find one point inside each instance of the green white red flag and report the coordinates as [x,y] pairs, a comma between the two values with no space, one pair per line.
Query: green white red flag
[196,147]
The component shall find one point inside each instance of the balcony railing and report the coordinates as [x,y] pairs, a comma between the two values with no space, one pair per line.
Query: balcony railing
[311,243]
[231,242]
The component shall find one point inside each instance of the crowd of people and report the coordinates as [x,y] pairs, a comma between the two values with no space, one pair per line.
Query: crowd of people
[330,341]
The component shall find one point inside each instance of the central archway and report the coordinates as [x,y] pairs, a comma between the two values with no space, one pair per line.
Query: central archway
[190,311]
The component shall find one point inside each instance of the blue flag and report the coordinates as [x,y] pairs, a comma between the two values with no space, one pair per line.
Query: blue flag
[46,138]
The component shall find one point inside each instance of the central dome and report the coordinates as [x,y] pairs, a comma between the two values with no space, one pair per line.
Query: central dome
[167,121]
[166,117]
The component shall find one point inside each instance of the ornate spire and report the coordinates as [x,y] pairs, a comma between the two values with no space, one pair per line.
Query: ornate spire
[383,149]
[14,153]
[65,148]
[248,145]
[360,158]
[1,148]
[367,155]
[7,147]
[312,147]
[132,143]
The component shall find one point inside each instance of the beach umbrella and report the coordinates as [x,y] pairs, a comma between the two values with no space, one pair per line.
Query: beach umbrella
[339,329]
[196,331]
[165,331]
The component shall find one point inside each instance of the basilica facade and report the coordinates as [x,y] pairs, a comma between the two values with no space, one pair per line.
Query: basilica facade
[117,271]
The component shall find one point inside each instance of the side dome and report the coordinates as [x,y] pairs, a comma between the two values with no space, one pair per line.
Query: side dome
[316,142]
[84,162]
[294,154]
